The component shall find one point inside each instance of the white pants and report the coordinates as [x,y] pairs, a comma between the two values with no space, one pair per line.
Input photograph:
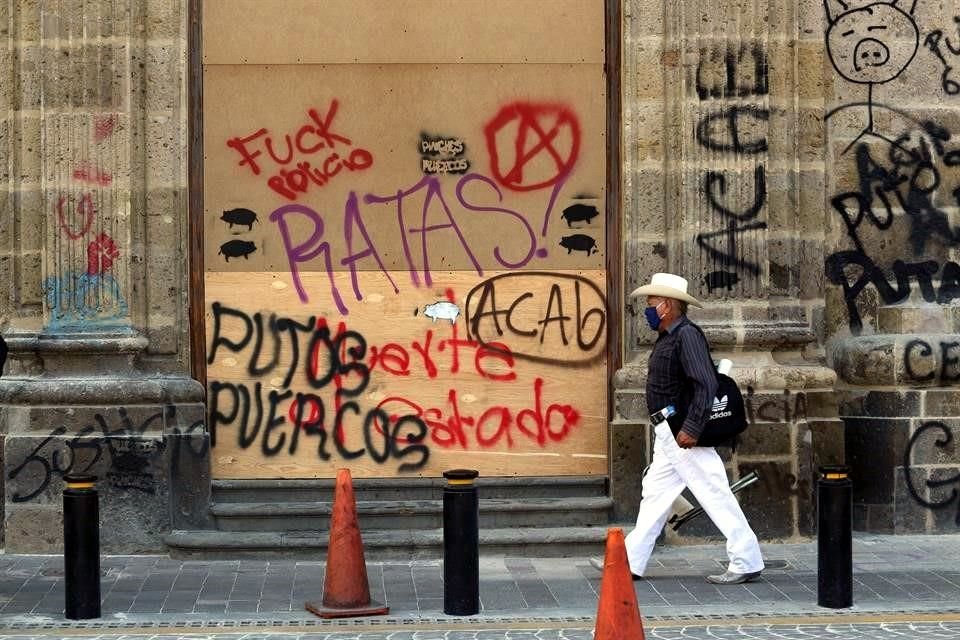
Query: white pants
[700,469]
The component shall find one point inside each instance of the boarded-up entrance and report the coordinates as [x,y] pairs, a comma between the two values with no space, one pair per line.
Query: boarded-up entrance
[404,209]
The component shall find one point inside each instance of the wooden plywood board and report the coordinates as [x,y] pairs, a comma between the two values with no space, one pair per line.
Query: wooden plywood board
[505,374]
[404,31]
[319,155]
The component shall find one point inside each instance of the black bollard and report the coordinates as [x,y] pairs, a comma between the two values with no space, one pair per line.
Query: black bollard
[461,544]
[81,547]
[835,538]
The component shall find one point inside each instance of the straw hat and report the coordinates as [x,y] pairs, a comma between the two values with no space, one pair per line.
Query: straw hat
[667,285]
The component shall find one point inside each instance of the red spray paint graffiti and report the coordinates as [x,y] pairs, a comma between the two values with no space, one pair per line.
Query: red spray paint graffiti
[316,136]
[339,368]
[101,253]
[83,209]
[450,426]
[103,127]
[86,172]
[543,149]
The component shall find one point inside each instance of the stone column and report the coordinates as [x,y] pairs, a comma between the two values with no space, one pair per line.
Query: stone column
[95,259]
[893,278]
[724,184]
[899,402]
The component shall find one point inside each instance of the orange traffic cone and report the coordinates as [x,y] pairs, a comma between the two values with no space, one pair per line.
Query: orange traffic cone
[618,616]
[346,591]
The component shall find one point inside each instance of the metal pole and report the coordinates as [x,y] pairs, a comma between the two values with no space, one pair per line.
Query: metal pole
[461,544]
[835,537]
[81,547]
[678,520]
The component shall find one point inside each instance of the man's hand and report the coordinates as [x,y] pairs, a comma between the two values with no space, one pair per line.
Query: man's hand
[685,440]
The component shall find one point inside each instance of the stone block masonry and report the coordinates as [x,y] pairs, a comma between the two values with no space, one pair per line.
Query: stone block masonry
[808,169]
[796,161]
[93,228]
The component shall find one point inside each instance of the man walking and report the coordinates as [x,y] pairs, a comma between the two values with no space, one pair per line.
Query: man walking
[680,374]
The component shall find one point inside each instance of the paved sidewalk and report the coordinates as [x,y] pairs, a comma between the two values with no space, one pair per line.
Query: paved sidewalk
[892,574]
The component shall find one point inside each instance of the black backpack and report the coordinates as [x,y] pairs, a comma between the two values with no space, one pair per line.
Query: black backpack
[728,416]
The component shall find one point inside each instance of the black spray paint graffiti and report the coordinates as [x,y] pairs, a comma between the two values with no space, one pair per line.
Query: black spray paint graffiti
[132,455]
[922,364]
[236,249]
[732,73]
[579,242]
[932,42]
[910,179]
[579,213]
[870,45]
[943,442]
[789,407]
[489,319]
[240,217]
[718,279]
[442,155]
[905,273]
[329,362]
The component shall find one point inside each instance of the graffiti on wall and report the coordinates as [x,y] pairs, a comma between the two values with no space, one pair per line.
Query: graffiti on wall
[441,299]
[579,323]
[925,361]
[732,73]
[442,154]
[788,407]
[533,147]
[913,176]
[939,490]
[317,398]
[77,297]
[870,45]
[910,176]
[896,211]
[942,47]
[308,159]
[130,455]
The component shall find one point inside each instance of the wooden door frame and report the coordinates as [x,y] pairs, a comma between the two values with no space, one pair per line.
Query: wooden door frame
[195,263]
[613,36]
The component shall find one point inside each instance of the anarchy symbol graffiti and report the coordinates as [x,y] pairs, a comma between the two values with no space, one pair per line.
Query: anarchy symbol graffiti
[532,146]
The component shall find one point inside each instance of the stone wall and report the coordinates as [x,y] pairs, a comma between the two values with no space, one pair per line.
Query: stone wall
[893,195]
[797,161]
[736,149]
[806,182]
[93,261]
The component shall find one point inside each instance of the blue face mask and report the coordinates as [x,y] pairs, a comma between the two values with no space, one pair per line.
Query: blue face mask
[653,318]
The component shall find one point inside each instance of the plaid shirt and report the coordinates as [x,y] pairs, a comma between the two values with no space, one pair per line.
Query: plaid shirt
[670,379]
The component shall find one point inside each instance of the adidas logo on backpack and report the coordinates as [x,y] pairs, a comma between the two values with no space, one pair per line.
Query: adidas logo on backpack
[719,406]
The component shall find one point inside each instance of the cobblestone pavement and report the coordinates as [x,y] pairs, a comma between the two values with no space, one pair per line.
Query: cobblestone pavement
[148,594]
[844,631]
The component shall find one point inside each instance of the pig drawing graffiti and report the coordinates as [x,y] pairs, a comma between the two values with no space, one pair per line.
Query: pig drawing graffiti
[871,44]
[442,310]
[579,242]
[579,213]
[236,249]
[240,217]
